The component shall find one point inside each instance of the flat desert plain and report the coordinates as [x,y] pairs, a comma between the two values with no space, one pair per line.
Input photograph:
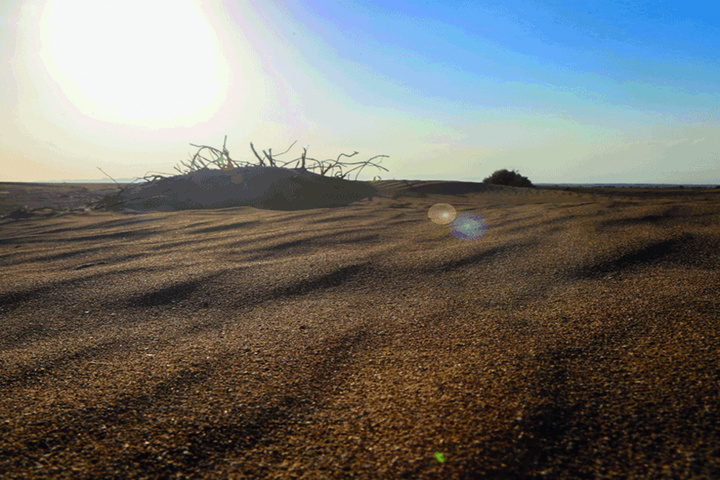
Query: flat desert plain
[577,338]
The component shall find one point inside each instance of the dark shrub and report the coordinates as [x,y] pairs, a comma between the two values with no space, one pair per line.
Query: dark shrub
[507,177]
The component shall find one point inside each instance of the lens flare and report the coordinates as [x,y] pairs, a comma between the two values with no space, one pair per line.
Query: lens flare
[442,213]
[468,226]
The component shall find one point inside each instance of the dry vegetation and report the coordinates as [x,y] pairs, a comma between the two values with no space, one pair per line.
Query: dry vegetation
[212,179]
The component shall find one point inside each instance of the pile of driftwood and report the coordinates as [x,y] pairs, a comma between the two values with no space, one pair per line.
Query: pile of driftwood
[212,179]
[222,160]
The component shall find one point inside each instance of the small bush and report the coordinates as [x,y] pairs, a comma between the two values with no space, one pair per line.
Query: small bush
[509,178]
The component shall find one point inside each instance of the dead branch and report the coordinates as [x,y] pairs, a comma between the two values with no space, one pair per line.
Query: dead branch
[362,165]
[283,153]
[262,163]
[268,155]
[105,173]
[340,165]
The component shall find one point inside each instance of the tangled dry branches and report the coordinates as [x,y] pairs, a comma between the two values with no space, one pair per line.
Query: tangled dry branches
[222,160]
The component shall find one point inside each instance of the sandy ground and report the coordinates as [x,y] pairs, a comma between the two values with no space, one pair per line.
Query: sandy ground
[43,197]
[578,338]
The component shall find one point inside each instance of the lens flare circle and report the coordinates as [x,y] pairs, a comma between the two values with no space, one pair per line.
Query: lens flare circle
[468,226]
[442,213]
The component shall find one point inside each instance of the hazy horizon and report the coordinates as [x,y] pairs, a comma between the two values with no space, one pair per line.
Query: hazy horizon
[599,92]
[124,181]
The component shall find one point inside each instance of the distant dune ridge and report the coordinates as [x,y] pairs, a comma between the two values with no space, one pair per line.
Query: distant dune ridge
[577,338]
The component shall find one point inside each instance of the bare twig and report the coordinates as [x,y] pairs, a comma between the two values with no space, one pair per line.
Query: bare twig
[262,163]
[283,153]
[268,155]
[111,178]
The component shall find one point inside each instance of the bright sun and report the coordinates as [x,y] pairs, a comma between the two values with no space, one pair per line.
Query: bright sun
[153,63]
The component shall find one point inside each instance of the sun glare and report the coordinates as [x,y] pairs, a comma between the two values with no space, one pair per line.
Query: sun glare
[147,63]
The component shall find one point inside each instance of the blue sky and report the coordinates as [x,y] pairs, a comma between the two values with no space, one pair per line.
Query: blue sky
[566,92]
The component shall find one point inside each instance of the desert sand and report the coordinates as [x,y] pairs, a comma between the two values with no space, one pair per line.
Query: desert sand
[577,338]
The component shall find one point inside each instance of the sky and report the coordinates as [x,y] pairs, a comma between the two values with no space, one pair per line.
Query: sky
[561,91]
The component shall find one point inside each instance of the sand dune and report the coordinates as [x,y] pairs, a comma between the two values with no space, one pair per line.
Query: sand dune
[577,338]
